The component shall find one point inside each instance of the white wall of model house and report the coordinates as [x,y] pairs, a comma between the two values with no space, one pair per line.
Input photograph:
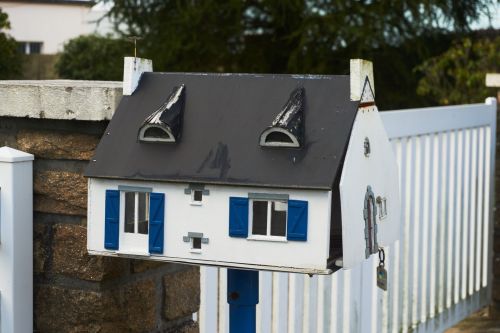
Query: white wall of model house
[211,218]
[16,241]
[379,172]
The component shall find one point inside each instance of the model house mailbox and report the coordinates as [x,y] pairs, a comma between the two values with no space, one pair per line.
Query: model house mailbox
[273,172]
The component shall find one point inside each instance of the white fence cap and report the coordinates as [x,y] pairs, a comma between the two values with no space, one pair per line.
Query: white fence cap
[11,155]
[493,80]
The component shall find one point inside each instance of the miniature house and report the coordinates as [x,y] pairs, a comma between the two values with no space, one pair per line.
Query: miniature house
[273,172]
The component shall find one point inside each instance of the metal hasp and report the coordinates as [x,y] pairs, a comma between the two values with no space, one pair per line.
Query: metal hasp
[242,297]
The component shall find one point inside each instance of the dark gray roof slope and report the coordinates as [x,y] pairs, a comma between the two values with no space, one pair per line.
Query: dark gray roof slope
[224,115]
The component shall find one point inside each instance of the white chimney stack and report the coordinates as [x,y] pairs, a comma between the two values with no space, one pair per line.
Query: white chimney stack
[132,71]
[360,70]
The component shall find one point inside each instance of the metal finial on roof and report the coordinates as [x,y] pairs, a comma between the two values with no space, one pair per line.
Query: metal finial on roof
[134,39]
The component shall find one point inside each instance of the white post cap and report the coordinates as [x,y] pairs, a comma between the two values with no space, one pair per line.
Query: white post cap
[11,155]
[493,80]
[132,71]
[360,70]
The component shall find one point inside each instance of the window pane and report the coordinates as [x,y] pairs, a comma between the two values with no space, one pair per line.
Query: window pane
[198,195]
[129,211]
[278,218]
[156,133]
[196,243]
[143,212]
[35,48]
[259,223]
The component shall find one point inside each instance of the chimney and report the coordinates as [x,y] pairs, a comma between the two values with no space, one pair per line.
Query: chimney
[132,71]
[360,70]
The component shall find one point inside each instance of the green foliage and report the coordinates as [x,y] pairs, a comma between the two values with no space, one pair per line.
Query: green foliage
[279,36]
[458,75]
[93,57]
[298,36]
[10,58]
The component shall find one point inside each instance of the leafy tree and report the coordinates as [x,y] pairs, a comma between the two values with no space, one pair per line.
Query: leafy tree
[93,57]
[297,36]
[457,76]
[10,58]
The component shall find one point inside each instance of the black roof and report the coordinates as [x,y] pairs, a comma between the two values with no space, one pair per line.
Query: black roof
[224,115]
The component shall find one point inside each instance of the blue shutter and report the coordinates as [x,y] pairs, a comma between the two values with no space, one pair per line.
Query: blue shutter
[156,222]
[112,220]
[238,217]
[297,220]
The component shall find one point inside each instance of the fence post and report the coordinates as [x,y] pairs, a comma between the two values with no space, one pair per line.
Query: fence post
[16,241]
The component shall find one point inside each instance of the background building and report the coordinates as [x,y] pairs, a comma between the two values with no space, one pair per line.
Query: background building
[43,26]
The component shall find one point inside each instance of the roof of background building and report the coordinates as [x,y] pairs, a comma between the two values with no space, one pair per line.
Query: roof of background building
[224,115]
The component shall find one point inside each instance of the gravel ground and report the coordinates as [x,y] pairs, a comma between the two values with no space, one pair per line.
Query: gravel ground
[477,323]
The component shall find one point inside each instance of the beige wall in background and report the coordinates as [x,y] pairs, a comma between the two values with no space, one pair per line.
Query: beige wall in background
[52,24]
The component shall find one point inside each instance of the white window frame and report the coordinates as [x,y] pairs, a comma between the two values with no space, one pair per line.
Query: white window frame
[268,236]
[133,243]
[136,211]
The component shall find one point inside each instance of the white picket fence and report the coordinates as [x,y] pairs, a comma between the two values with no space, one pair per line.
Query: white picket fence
[438,272]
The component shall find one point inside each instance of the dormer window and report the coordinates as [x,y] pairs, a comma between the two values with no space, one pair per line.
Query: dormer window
[153,133]
[277,137]
[287,129]
[165,124]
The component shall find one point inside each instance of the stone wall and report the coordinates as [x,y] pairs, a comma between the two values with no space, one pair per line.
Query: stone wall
[75,292]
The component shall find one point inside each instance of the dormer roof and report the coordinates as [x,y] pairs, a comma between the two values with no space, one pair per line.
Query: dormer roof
[165,123]
[287,129]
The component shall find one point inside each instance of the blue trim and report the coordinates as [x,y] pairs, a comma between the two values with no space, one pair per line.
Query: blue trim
[112,220]
[242,296]
[297,220]
[156,222]
[238,217]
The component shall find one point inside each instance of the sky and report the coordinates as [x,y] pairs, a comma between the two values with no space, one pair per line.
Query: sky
[495,19]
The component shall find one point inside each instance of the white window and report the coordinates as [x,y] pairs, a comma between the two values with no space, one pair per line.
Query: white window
[196,240]
[30,47]
[196,193]
[136,213]
[268,219]
[382,207]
